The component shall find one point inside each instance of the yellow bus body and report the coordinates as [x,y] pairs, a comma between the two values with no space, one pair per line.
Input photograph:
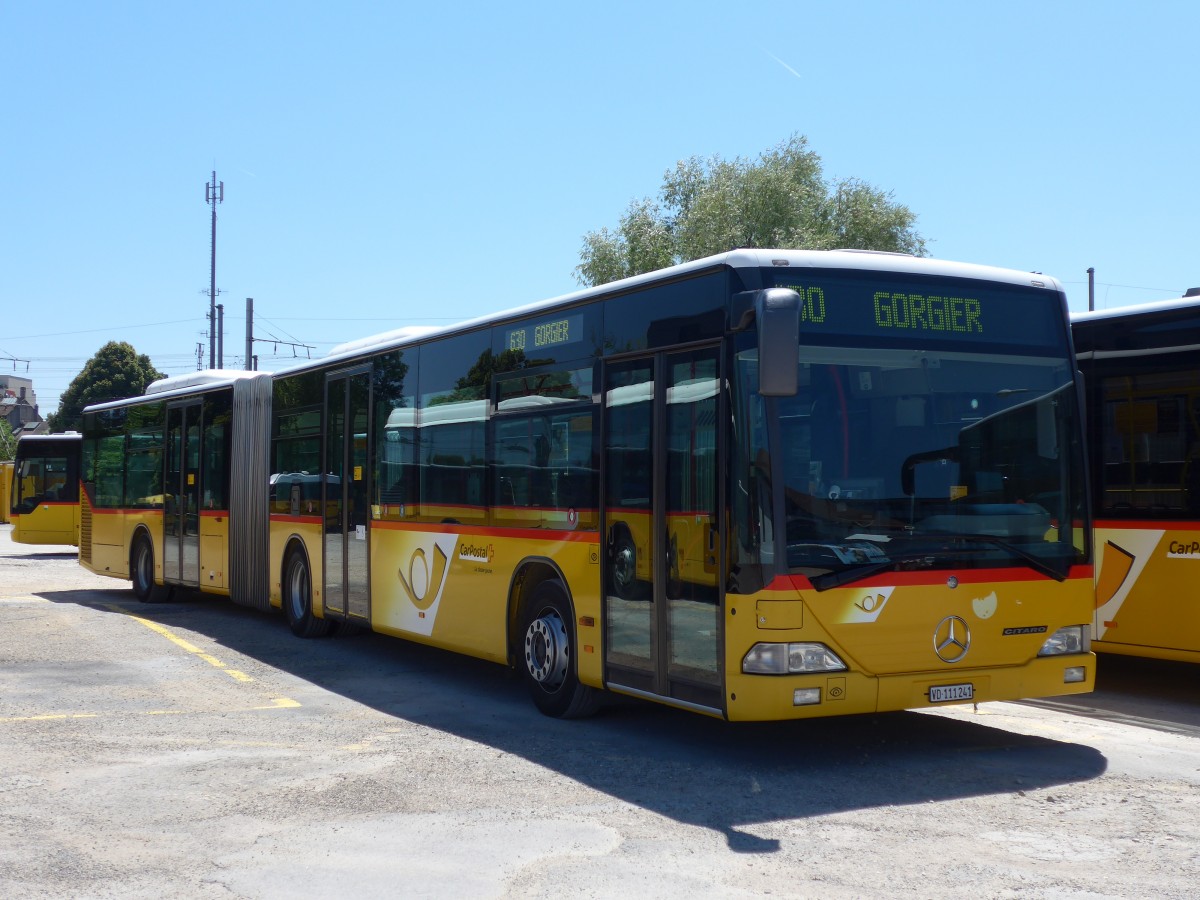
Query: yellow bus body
[42,496]
[113,531]
[450,586]
[886,620]
[1146,582]
[6,480]
[50,522]
[110,538]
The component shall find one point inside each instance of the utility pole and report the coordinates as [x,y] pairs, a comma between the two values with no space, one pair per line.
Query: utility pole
[220,335]
[250,334]
[251,356]
[1091,289]
[214,193]
[4,357]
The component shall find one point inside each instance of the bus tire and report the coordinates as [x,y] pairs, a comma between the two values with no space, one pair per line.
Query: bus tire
[297,599]
[548,655]
[141,573]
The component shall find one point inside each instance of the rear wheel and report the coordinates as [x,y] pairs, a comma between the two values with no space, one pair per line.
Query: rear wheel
[297,599]
[142,573]
[549,648]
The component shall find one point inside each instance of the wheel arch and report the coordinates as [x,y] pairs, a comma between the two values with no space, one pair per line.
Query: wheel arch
[301,612]
[292,544]
[140,532]
[529,573]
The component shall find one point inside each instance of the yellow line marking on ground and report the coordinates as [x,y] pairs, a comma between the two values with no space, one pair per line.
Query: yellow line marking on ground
[280,703]
[277,703]
[51,717]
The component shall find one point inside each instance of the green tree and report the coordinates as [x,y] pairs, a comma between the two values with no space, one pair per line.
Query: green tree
[8,445]
[782,199]
[116,371]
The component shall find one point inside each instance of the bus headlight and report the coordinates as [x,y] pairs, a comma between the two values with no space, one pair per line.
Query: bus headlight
[1072,639]
[790,659]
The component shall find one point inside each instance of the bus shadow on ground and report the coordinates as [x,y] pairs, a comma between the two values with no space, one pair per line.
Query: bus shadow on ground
[693,769]
[1153,693]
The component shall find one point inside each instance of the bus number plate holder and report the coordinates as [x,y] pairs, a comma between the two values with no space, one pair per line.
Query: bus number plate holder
[949,693]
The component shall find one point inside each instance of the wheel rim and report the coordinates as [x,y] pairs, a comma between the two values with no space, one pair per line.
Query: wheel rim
[547,650]
[297,587]
[142,568]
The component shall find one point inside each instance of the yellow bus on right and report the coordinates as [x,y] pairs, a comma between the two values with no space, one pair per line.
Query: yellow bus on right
[1141,367]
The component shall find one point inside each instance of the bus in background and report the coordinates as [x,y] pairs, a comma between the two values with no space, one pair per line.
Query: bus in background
[171,491]
[764,485]
[6,474]
[1141,365]
[44,507]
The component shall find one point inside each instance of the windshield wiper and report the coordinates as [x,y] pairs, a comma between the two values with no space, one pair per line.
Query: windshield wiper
[926,559]
[921,560]
[1034,562]
[847,576]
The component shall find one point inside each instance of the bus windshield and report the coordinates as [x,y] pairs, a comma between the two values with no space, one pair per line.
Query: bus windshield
[906,459]
[46,472]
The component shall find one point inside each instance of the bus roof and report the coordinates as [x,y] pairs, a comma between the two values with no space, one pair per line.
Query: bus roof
[864,260]
[180,385]
[1175,304]
[59,436]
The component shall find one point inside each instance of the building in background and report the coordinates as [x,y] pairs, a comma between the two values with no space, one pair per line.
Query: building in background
[18,405]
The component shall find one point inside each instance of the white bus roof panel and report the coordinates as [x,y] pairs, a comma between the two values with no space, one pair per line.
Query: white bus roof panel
[864,260]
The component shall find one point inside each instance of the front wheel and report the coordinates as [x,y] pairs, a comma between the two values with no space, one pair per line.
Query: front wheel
[142,573]
[297,599]
[549,666]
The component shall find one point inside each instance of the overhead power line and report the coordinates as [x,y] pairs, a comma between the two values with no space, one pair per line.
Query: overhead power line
[106,328]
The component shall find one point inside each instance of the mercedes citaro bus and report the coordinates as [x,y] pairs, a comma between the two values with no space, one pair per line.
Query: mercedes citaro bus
[769,484]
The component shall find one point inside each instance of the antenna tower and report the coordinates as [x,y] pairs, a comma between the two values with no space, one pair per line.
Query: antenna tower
[214,193]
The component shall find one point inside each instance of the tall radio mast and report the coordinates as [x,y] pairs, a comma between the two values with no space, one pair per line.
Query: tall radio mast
[214,193]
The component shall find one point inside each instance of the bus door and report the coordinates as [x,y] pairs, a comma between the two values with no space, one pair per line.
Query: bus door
[662,579]
[347,408]
[181,507]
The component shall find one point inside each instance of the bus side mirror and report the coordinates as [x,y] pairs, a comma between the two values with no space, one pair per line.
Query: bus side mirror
[777,315]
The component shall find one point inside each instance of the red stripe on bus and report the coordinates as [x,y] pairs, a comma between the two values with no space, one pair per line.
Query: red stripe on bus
[1148,525]
[529,510]
[591,537]
[916,579]
[114,511]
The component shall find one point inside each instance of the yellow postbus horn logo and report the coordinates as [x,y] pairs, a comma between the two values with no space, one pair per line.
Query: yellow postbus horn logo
[423,585]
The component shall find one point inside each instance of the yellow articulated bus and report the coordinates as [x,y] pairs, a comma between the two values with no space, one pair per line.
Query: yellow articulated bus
[764,485]
[44,507]
[171,493]
[1141,366]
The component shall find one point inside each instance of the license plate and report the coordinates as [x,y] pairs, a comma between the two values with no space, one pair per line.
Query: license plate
[947,693]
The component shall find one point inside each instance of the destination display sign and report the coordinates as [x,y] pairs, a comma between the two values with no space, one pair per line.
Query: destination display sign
[541,335]
[928,311]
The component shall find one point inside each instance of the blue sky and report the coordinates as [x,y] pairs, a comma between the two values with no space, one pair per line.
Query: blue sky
[393,163]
